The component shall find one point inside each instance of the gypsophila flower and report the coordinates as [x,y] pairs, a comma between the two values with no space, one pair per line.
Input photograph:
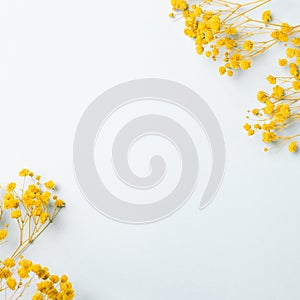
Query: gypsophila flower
[33,206]
[278,119]
[224,31]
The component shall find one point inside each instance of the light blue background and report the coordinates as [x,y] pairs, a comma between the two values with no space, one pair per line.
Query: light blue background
[55,58]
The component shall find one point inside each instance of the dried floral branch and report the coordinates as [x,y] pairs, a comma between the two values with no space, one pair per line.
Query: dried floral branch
[33,207]
[224,31]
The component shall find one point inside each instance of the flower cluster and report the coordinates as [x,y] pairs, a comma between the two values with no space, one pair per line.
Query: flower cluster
[16,276]
[224,31]
[33,207]
[280,113]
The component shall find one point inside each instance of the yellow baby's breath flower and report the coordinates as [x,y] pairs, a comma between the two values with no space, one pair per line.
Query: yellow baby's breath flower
[24,172]
[278,92]
[261,96]
[269,137]
[11,283]
[38,296]
[9,262]
[10,187]
[222,70]
[250,132]
[248,45]
[266,16]
[271,79]
[296,41]
[179,4]
[282,62]
[43,217]
[290,52]
[59,203]
[3,234]
[15,214]
[49,184]
[245,64]
[296,85]
[247,127]
[293,147]
[229,73]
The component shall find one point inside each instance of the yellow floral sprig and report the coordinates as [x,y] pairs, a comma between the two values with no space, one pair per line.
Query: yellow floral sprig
[33,206]
[280,112]
[224,31]
[17,276]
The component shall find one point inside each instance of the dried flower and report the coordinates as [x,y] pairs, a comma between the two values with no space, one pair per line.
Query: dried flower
[224,31]
[33,207]
[279,118]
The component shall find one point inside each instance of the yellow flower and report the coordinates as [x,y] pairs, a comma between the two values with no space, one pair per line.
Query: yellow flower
[231,31]
[3,234]
[64,278]
[278,92]
[286,28]
[15,214]
[261,96]
[49,184]
[248,45]
[23,272]
[296,41]
[247,127]
[296,85]
[271,79]
[229,73]
[222,70]
[24,172]
[25,263]
[10,187]
[294,70]
[10,201]
[290,52]
[208,54]
[9,262]
[245,64]
[38,296]
[269,109]
[250,132]
[54,278]
[11,283]
[179,4]
[59,203]
[269,137]
[43,217]
[266,16]
[293,147]
[5,273]
[282,62]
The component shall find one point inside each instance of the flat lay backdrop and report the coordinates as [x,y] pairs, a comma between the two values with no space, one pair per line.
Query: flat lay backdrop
[56,57]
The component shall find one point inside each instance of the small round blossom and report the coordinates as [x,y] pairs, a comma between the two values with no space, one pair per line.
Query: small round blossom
[49,184]
[3,234]
[293,147]
[266,16]
[24,172]
[248,45]
[15,214]
[10,187]
[11,283]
